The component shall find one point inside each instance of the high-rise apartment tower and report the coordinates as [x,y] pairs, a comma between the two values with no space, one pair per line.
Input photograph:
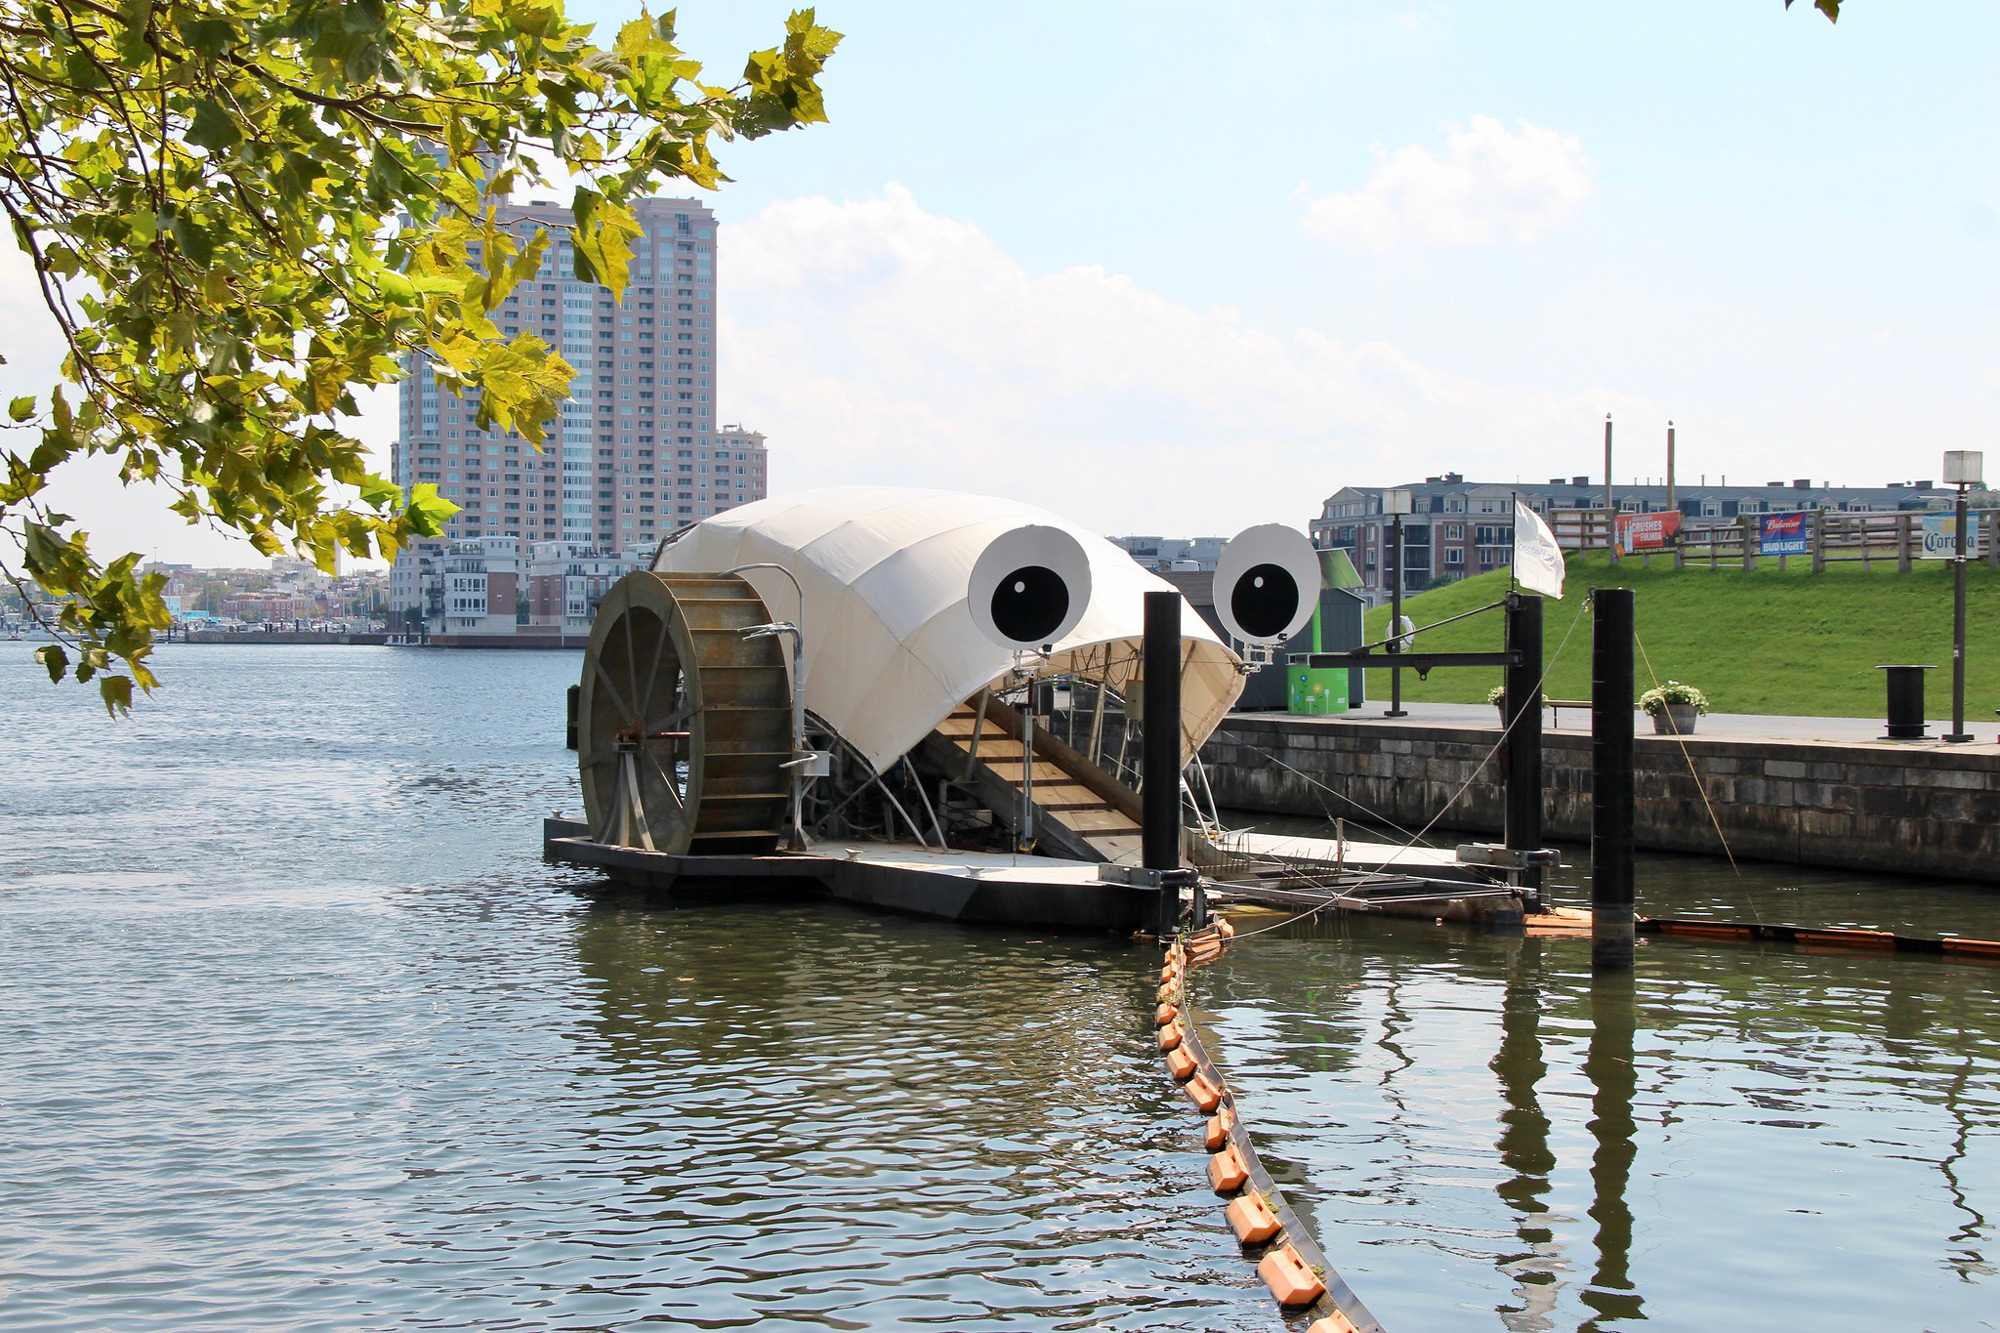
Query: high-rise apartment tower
[636,452]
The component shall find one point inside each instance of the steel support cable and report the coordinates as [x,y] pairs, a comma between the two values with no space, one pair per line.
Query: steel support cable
[1419,629]
[1370,811]
[1547,667]
[1714,820]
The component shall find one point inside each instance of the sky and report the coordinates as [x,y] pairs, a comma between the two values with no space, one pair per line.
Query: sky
[1176,269]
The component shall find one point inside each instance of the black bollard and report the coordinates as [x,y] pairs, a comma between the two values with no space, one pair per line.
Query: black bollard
[1611,801]
[1160,757]
[1906,703]
[1523,769]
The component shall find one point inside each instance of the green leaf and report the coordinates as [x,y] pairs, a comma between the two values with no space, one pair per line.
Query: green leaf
[209,37]
[212,128]
[54,659]
[22,408]
[116,691]
[194,241]
[396,288]
[427,510]
[379,493]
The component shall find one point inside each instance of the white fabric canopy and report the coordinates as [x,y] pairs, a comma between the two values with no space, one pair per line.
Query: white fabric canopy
[890,646]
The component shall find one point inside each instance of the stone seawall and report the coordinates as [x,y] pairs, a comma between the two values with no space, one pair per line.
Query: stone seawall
[292,637]
[1915,810]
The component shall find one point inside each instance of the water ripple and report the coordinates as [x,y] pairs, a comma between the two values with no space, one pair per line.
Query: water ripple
[298,1031]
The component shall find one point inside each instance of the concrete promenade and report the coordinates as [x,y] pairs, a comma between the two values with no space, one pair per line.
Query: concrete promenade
[1984,725]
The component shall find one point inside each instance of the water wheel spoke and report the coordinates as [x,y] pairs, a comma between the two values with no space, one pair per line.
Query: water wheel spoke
[637,711]
[660,640]
[617,699]
[640,821]
[613,788]
[666,778]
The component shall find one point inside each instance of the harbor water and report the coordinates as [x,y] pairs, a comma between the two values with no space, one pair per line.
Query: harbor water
[298,1031]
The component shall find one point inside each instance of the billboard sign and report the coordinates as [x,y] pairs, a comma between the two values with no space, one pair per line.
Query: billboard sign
[1941,537]
[1647,532]
[1782,534]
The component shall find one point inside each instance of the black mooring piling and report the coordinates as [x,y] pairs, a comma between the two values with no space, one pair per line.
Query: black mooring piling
[1611,804]
[1523,771]
[1160,757]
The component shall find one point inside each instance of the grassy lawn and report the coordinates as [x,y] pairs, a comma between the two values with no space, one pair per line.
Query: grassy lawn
[1759,641]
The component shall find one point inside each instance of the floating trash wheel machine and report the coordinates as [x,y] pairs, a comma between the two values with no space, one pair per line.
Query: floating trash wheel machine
[830,636]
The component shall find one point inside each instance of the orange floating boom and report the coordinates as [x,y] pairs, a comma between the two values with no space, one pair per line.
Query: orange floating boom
[1288,1277]
[1227,1172]
[1252,1219]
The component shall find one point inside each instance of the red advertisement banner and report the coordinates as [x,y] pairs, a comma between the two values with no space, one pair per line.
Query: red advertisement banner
[1647,532]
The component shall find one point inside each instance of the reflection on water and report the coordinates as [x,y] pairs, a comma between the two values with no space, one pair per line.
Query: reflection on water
[877,1123]
[298,1031]
[1732,1137]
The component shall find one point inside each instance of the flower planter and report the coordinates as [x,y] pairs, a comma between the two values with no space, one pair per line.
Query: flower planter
[1675,719]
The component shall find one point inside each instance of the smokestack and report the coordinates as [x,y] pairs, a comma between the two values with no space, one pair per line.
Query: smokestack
[1610,505]
[1671,506]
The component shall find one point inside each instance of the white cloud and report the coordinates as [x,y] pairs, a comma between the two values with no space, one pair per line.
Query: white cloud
[879,343]
[1488,186]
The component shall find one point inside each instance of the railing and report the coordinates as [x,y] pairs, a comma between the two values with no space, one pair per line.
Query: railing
[1832,537]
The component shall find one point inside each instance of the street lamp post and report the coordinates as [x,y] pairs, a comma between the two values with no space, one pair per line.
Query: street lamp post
[1396,503]
[1962,468]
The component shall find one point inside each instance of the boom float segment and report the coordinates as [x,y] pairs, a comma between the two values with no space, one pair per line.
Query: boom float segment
[1289,1261]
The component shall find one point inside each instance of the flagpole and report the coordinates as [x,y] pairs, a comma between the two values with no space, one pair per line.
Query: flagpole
[1514,556]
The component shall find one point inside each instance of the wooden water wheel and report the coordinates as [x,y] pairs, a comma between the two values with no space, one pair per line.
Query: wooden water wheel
[683,725]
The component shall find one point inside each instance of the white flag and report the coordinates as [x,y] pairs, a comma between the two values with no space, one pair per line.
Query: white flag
[1538,561]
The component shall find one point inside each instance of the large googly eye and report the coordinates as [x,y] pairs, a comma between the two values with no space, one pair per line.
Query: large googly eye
[1029,587]
[1267,583]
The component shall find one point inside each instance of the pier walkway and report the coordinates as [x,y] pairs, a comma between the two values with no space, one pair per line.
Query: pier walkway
[1984,726]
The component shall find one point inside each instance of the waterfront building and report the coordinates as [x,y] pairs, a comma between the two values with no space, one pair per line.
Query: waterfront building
[636,453]
[566,581]
[1178,554]
[287,590]
[543,592]
[1458,528]
[481,580]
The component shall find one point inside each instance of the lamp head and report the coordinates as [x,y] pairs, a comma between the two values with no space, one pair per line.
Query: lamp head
[1964,467]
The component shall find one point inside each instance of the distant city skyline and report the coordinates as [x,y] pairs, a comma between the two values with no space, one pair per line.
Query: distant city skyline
[1455,236]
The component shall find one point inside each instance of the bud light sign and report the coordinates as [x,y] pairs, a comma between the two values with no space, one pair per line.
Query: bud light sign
[1782,534]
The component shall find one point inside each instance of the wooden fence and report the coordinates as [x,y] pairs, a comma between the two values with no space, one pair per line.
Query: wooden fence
[1731,543]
